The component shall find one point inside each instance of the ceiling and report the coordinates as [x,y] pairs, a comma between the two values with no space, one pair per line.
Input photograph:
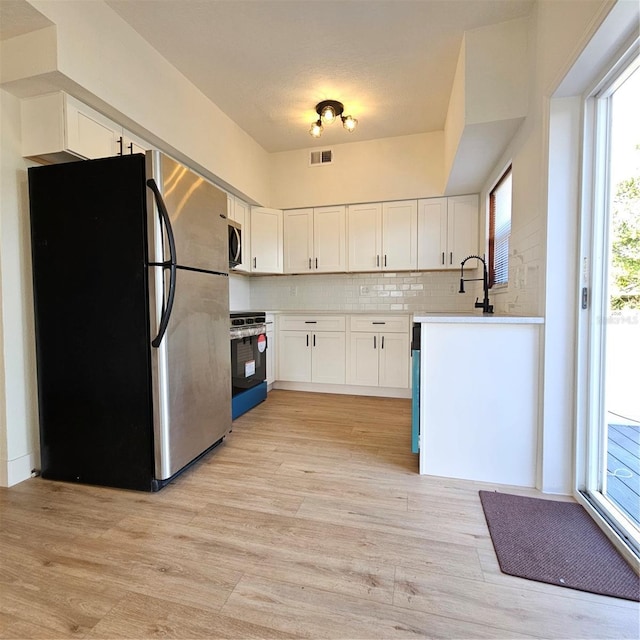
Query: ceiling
[266,63]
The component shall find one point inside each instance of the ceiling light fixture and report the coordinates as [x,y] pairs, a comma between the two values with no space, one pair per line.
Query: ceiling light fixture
[328,112]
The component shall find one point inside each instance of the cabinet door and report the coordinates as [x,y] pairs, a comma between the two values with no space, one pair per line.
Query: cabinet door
[271,356]
[298,240]
[394,360]
[363,359]
[330,239]
[462,234]
[132,144]
[241,213]
[266,240]
[432,233]
[89,134]
[294,356]
[328,360]
[400,235]
[364,225]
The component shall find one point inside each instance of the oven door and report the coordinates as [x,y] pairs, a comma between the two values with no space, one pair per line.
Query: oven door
[248,359]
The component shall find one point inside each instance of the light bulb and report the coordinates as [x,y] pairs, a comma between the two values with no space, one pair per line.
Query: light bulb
[316,129]
[328,114]
[349,123]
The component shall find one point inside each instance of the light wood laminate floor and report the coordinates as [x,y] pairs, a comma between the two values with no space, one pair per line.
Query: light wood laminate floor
[310,521]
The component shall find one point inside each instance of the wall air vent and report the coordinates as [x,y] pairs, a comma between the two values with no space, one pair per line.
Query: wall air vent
[319,158]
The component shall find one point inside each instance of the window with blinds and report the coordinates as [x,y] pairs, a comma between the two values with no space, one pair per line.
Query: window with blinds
[500,230]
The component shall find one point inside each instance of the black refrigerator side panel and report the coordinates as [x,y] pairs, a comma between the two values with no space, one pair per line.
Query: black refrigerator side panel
[89,249]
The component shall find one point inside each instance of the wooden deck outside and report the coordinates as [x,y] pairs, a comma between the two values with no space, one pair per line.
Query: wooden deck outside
[623,468]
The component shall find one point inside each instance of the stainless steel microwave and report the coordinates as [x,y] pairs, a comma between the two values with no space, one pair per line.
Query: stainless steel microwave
[235,243]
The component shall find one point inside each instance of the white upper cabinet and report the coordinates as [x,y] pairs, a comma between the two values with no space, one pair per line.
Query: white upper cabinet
[57,128]
[266,240]
[400,235]
[330,238]
[298,240]
[315,240]
[462,229]
[447,231]
[240,212]
[130,144]
[383,236]
[364,223]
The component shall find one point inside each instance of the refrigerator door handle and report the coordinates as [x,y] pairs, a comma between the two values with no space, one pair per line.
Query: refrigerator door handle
[167,264]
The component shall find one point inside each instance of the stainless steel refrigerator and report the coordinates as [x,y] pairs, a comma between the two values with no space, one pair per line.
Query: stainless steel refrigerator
[131,298]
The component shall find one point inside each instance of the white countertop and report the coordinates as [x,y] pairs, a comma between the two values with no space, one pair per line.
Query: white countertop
[336,312]
[474,318]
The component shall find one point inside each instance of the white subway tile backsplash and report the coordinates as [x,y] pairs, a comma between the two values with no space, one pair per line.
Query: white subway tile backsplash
[411,292]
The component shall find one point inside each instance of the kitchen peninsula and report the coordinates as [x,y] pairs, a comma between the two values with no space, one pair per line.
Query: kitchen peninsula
[479,396]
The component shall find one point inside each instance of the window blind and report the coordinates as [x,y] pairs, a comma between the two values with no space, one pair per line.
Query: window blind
[500,230]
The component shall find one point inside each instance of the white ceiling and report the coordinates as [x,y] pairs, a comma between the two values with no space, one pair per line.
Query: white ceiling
[266,63]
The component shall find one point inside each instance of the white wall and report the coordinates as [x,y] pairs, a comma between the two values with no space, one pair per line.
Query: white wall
[398,168]
[495,87]
[18,409]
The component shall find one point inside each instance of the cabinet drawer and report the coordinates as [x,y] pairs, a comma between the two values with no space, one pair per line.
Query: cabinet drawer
[312,323]
[382,324]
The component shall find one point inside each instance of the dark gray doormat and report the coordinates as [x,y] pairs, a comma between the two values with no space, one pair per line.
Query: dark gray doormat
[558,543]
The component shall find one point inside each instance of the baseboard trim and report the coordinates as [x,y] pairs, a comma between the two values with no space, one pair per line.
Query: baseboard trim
[343,389]
[18,470]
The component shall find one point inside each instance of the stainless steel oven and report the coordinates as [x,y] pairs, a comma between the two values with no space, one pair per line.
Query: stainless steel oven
[248,361]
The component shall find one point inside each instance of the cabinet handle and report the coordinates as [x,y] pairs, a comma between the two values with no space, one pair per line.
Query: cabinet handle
[443,257]
[382,341]
[314,339]
[254,263]
[311,322]
[450,257]
[120,145]
[385,259]
[130,147]
[378,322]
[377,260]
[374,342]
[316,263]
[307,339]
[309,263]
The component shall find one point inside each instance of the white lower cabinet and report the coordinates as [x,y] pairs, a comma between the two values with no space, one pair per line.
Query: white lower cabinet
[308,352]
[379,351]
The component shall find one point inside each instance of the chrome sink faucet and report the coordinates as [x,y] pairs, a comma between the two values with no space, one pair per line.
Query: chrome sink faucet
[484,305]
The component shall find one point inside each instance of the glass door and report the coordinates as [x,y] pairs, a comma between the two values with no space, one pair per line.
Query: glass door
[613,416]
